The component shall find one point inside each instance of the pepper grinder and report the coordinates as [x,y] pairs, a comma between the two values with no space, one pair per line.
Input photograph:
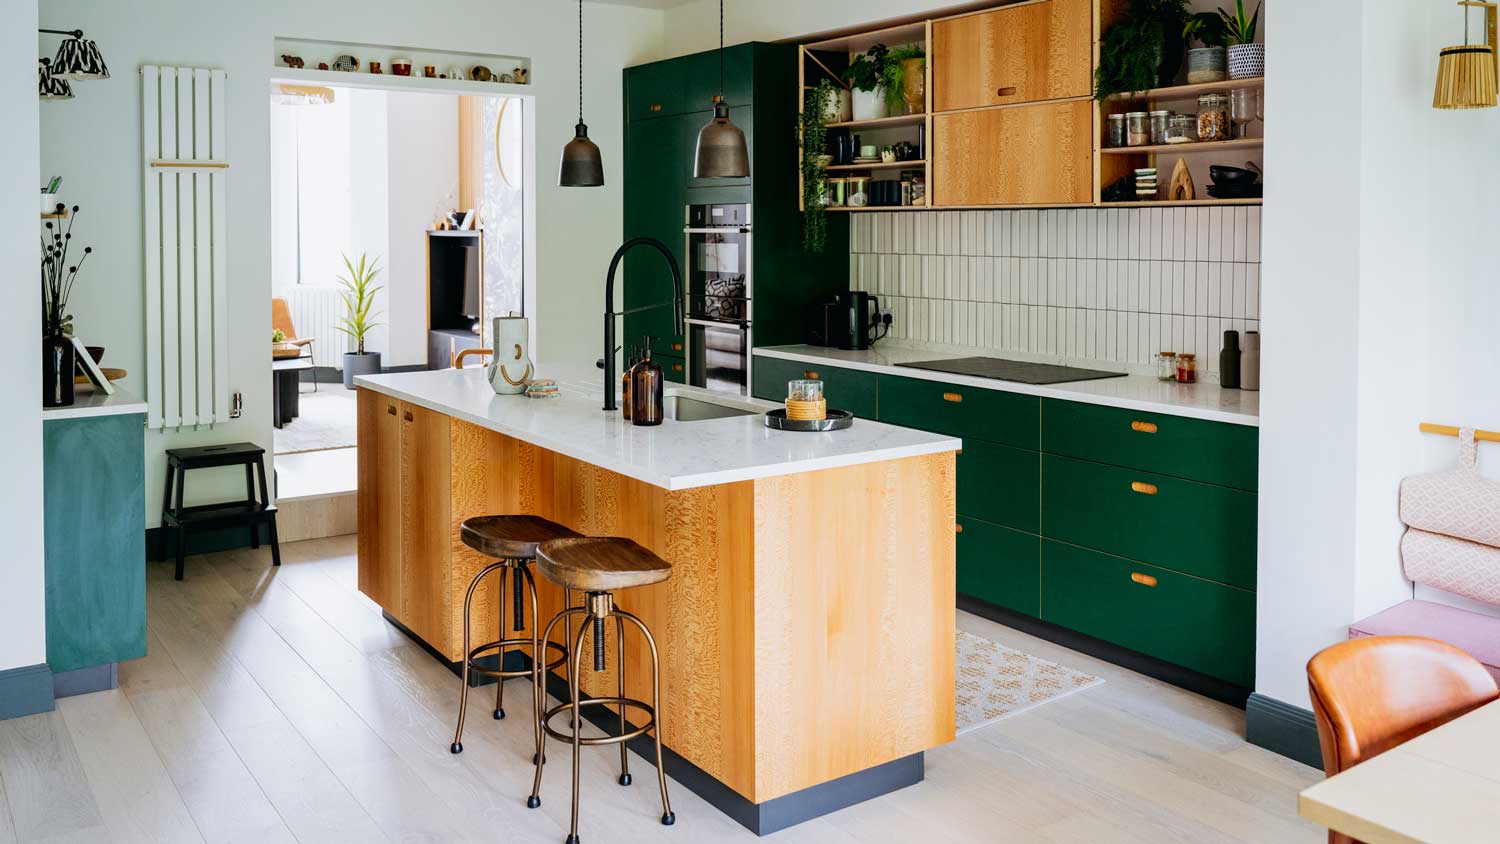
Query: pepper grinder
[648,407]
[1229,361]
[1250,362]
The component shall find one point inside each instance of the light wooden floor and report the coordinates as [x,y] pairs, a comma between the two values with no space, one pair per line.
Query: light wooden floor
[279,706]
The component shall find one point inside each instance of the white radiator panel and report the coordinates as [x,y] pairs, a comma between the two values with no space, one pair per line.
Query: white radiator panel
[315,313]
[185,178]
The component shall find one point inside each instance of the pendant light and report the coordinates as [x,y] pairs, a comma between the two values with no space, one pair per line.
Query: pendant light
[722,153]
[582,167]
[1468,73]
[78,57]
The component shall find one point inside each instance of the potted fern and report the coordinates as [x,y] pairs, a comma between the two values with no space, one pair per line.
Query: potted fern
[1143,50]
[358,293]
[1247,59]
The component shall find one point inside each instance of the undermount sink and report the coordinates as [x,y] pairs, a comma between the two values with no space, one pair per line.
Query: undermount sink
[692,409]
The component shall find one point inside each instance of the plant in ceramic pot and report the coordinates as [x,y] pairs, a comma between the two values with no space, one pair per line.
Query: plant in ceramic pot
[866,78]
[358,293]
[1247,59]
[1206,62]
[58,277]
[905,75]
[812,129]
[1143,50]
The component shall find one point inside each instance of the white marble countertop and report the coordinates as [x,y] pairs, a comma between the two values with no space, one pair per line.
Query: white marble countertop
[1135,392]
[92,402]
[673,455]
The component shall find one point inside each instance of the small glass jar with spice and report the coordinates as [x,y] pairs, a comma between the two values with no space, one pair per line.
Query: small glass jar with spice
[1166,366]
[1213,117]
[1138,128]
[1159,121]
[1182,129]
[1187,368]
[1116,136]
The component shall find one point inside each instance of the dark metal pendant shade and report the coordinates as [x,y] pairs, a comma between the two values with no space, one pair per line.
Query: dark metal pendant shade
[722,153]
[79,58]
[582,166]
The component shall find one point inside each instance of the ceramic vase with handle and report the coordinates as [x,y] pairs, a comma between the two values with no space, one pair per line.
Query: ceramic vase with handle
[510,365]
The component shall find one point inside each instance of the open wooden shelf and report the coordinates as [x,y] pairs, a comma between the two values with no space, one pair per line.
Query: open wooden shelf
[879,165]
[881,122]
[1199,146]
[858,42]
[1190,92]
[878,208]
[1179,203]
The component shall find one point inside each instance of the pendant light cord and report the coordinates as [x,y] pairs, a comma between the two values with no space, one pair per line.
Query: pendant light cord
[721,49]
[580,62]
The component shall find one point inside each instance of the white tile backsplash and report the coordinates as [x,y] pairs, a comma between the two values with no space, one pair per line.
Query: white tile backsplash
[1111,285]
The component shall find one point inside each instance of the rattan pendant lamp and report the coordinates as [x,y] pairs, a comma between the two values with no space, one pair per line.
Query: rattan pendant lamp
[582,166]
[722,153]
[1468,73]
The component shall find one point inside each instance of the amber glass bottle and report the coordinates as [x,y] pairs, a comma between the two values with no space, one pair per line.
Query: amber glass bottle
[647,406]
[625,378]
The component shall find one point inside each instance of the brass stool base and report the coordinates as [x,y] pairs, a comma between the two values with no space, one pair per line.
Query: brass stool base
[593,741]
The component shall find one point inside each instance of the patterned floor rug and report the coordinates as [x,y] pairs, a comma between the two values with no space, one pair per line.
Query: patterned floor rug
[996,682]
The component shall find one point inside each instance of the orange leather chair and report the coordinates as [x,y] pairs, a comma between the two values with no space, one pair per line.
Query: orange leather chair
[1374,693]
[292,346]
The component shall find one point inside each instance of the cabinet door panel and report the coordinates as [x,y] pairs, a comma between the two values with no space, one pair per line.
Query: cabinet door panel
[1039,51]
[991,415]
[426,525]
[1200,625]
[655,90]
[999,565]
[1025,155]
[1212,452]
[380,488]
[846,389]
[1000,484]
[656,171]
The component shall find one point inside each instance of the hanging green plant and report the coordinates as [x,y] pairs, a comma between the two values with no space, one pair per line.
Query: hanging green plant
[812,130]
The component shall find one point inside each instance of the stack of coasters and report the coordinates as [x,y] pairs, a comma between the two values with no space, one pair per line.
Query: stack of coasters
[1145,183]
[542,388]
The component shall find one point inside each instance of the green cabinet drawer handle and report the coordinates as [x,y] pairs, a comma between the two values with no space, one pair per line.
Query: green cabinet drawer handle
[953,397]
[1143,579]
[1143,427]
[1143,488]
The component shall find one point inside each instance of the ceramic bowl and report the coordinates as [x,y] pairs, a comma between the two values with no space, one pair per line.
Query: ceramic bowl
[1223,174]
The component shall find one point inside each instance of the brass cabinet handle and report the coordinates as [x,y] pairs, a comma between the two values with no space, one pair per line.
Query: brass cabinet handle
[811,374]
[406,415]
[676,347]
[958,528]
[1007,91]
[1143,426]
[1143,488]
[391,409]
[656,106]
[676,367]
[1143,579]
[953,397]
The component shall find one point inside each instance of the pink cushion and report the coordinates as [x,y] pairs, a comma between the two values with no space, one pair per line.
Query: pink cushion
[1474,632]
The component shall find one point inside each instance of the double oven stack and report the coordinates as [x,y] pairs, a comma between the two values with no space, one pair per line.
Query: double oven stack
[720,297]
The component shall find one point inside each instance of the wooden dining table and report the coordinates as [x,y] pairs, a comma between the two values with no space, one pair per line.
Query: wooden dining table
[1442,787]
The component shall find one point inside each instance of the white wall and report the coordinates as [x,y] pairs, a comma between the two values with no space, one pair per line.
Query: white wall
[370,204]
[94,142]
[423,177]
[23,634]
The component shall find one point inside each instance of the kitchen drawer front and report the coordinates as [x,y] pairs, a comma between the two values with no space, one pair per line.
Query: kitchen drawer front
[999,565]
[1037,51]
[1205,626]
[1007,418]
[674,367]
[1212,452]
[1000,484]
[1200,529]
[655,90]
[1015,155]
[845,389]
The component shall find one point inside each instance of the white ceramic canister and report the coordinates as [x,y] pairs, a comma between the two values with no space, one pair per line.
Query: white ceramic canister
[510,365]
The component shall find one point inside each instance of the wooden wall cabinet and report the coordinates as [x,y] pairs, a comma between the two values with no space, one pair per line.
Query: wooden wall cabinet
[1030,52]
[1022,155]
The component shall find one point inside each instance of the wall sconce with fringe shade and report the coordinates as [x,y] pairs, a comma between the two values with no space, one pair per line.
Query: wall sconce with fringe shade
[1468,74]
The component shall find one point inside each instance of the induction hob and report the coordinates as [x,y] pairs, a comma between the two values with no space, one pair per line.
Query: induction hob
[1020,371]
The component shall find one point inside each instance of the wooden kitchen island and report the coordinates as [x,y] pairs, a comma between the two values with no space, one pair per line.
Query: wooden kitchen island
[806,633]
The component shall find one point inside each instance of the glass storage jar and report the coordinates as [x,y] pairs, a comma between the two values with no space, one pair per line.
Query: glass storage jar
[1187,368]
[1159,126]
[1138,129]
[1166,366]
[1182,129]
[1116,136]
[1213,117]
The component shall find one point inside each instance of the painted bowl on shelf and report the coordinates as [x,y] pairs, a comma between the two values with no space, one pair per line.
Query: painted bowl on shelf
[1223,174]
[96,352]
[401,67]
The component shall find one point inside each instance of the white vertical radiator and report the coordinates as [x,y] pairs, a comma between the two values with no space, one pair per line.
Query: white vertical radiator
[316,312]
[187,308]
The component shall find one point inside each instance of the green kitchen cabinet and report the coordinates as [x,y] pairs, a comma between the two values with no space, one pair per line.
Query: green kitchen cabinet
[853,390]
[647,295]
[673,367]
[1205,626]
[969,412]
[998,483]
[1195,528]
[654,90]
[1197,449]
[999,565]
[93,494]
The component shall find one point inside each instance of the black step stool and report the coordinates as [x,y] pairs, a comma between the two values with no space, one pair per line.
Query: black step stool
[250,513]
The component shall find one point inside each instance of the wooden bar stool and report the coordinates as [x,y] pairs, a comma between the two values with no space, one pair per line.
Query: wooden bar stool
[513,541]
[597,566]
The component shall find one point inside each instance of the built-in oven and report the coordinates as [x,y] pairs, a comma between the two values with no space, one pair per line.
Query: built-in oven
[720,296]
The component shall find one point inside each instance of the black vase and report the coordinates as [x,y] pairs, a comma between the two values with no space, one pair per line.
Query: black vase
[1229,361]
[58,364]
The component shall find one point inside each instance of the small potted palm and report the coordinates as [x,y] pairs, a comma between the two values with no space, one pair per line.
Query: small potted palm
[1247,59]
[358,293]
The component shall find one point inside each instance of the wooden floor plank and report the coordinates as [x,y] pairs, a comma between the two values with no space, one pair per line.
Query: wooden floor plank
[7,826]
[137,799]
[45,785]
